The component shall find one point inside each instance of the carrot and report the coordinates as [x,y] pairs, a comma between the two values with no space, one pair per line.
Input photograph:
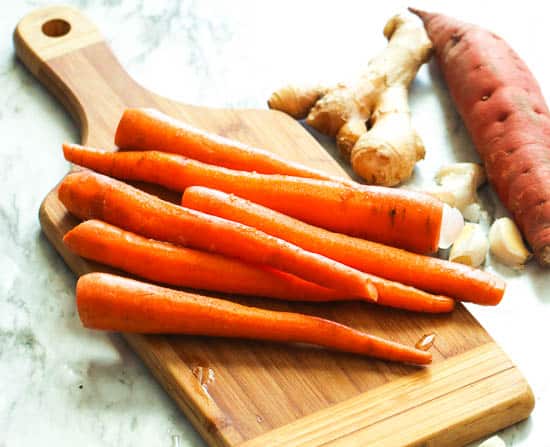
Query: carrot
[167,263]
[149,129]
[170,264]
[396,217]
[424,272]
[504,111]
[88,195]
[115,303]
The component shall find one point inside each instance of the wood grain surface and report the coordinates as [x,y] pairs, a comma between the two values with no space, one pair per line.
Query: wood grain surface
[264,394]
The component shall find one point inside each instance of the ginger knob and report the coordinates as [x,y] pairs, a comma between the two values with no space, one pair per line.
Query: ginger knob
[370,118]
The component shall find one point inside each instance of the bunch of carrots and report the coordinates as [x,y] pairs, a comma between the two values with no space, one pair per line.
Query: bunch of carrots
[250,223]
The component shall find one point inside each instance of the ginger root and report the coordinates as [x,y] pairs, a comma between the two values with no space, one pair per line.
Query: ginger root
[370,118]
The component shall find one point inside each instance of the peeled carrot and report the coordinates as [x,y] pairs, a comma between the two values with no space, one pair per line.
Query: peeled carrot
[88,195]
[184,267]
[178,266]
[149,129]
[396,217]
[504,111]
[115,303]
[427,273]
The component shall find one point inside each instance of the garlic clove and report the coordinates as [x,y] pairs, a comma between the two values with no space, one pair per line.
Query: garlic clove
[493,441]
[473,171]
[507,244]
[457,186]
[445,196]
[472,212]
[471,246]
[452,224]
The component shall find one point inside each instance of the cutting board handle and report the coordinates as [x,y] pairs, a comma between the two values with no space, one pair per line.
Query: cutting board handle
[65,51]
[51,32]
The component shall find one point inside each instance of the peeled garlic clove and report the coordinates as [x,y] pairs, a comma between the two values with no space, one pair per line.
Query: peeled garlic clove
[471,246]
[493,441]
[507,244]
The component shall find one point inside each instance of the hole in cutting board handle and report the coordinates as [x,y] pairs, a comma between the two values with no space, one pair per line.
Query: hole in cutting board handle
[56,28]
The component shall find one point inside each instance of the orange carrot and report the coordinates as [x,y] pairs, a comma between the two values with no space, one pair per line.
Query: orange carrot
[167,263]
[149,129]
[88,195]
[435,275]
[396,217]
[112,302]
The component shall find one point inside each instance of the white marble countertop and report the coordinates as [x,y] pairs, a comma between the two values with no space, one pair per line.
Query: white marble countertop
[63,385]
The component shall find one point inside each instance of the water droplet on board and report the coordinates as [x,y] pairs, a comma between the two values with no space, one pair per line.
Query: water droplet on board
[259,419]
[205,376]
[426,342]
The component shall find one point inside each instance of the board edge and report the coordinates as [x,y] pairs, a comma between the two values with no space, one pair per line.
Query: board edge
[335,426]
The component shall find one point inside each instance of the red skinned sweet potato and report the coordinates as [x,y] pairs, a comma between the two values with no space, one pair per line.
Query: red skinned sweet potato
[505,113]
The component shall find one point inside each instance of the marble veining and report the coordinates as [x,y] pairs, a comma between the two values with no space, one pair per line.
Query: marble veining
[63,385]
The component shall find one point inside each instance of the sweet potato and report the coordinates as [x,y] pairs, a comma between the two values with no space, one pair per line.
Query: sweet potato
[505,113]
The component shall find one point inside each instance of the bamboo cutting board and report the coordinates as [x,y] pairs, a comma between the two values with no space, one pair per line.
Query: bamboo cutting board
[245,393]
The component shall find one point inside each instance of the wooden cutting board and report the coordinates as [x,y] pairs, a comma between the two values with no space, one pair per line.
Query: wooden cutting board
[245,393]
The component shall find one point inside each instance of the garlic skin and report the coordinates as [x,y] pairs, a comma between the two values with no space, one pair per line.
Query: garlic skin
[507,245]
[457,186]
[471,246]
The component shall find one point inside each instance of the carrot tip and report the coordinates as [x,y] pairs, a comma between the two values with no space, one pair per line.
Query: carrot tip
[426,359]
